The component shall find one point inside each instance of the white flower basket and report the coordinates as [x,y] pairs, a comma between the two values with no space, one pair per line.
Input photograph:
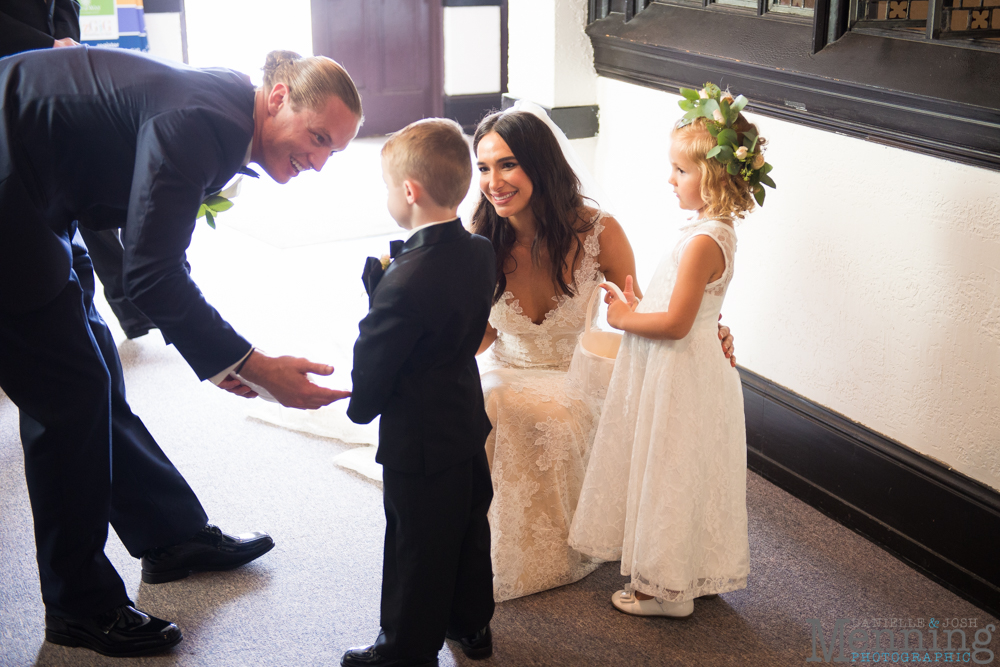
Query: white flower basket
[595,353]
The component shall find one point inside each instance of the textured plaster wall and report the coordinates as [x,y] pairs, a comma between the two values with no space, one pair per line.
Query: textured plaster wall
[869,282]
[550,59]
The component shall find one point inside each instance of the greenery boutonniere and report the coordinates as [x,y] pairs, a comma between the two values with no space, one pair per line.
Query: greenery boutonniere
[218,202]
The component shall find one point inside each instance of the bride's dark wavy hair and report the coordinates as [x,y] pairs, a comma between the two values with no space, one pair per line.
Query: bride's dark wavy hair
[555,201]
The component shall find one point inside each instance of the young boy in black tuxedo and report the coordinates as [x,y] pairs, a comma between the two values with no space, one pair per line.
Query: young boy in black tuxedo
[415,364]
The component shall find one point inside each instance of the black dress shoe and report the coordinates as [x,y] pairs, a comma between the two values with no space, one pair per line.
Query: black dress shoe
[137,332]
[368,656]
[209,551]
[478,645]
[121,632]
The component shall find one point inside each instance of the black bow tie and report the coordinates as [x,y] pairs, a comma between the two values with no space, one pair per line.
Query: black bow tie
[395,247]
[247,171]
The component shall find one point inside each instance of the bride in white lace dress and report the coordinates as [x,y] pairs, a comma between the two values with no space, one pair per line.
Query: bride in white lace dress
[552,252]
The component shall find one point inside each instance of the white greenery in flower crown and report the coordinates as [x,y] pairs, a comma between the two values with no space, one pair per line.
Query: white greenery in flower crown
[721,111]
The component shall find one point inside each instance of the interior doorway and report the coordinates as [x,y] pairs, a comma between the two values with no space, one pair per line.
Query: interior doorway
[393,50]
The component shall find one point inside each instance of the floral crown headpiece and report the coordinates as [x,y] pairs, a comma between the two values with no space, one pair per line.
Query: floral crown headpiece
[722,110]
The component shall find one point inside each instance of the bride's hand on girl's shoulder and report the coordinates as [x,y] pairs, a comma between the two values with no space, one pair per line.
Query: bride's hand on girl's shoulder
[616,259]
[728,347]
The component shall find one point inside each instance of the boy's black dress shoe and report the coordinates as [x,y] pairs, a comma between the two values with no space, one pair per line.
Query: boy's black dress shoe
[208,551]
[368,656]
[121,632]
[478,645]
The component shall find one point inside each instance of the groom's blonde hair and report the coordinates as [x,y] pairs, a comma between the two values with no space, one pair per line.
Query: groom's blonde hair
[434,153]
[311,81]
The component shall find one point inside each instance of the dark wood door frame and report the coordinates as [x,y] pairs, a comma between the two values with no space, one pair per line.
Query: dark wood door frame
[354,33]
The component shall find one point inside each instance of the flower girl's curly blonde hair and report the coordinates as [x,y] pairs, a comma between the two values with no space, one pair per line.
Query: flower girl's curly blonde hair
[725,195]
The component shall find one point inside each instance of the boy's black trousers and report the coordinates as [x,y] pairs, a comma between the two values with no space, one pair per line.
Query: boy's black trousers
[437,577]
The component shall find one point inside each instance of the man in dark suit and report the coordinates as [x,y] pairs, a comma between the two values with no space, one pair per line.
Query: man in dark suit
[42,24]
[415,364]
[26,26]
[115,139]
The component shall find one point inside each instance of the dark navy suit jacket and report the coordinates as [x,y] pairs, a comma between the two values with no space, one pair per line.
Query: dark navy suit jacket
[34,24]
[415,360]
[117,139]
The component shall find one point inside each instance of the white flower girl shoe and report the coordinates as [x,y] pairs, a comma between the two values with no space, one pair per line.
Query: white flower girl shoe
[625,601]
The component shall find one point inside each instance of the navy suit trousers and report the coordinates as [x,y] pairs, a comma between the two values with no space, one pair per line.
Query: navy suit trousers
[88,460]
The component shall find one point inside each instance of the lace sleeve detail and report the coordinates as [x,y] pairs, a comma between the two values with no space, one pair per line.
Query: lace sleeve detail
[590,266]
[592,244]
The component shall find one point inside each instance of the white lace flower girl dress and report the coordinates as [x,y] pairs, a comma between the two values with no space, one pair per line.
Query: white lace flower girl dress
[541,438]
[665,488]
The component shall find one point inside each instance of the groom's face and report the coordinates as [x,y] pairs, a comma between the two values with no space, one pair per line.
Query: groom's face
[295,140]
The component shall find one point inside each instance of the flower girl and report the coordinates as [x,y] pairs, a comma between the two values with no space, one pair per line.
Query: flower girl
[665,489]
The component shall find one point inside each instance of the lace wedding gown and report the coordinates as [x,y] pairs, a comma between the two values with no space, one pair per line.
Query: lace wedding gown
[542,431]
[665,489]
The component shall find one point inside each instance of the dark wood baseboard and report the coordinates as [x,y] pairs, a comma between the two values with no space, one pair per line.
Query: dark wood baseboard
[468,110]
[942,523]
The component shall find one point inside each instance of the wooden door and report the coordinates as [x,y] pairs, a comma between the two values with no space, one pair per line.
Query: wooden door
[393,51]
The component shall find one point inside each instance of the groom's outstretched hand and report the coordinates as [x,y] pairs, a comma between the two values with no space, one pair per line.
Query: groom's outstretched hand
[285,378]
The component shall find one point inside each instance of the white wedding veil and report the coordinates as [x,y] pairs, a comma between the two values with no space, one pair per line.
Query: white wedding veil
[589,187]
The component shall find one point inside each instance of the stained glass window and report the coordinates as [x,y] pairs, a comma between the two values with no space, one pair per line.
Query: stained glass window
[970,16]
[803,7]
[738,3]
[896,10]
[959,18]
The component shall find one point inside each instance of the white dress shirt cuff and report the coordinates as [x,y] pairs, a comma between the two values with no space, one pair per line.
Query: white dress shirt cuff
[222,375]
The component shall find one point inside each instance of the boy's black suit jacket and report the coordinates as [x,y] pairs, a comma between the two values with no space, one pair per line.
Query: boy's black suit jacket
[415,360]
[112,138]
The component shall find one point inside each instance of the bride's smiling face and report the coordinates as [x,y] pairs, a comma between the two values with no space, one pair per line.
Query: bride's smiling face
[501,177]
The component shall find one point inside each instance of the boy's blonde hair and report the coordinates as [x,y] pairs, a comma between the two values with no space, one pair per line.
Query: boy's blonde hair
[724,194]
[311,81]
[434,153]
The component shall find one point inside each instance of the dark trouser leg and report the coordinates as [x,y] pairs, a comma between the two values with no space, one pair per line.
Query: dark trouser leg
[54,369]
[106,251]
[472,605]
[434,544]
[151,503]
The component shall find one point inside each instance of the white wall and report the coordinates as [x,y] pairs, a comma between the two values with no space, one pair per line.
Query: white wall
[471,50]
[869,282]
[164,34]
[239,35]
[550,60]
